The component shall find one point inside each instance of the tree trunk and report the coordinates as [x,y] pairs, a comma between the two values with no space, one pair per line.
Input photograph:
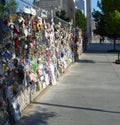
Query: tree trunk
[114,43]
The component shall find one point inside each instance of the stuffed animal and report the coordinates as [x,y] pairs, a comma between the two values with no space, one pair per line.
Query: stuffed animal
[24,28]
[39,24]
[13,27]
[13,17]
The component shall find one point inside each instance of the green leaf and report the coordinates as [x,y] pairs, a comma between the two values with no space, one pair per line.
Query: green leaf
[108,18]
[81,20]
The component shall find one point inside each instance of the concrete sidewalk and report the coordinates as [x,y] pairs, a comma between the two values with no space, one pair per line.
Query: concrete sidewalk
[87,94]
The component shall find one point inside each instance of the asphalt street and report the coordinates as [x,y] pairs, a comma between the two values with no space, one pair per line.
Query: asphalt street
[87,94]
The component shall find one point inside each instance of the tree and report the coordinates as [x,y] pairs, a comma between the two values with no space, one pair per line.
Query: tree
[3,2]
[7,7]
[100,24]
[12,6]
[81,20]
[62,14]
[113,25]
[108,19]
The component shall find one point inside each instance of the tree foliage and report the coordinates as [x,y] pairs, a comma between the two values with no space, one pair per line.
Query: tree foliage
[81,20]
[100,23]
[108,18]
[7,7]
[62,14]
[3,2]
[113,24]
[12,6]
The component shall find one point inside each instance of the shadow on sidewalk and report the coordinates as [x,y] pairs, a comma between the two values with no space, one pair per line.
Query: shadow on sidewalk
[85,61]
[76,107]
[93,62]
[39,117]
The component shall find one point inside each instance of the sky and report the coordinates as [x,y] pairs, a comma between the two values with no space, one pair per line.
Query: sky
[94,5]
[21,4]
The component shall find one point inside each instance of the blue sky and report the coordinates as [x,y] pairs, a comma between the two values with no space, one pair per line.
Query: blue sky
[94,4]
[21,4]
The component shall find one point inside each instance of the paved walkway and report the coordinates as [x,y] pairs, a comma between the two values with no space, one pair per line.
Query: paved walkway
[87,94]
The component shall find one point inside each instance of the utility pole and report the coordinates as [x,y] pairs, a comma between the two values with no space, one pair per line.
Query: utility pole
[88,2]
[74,13]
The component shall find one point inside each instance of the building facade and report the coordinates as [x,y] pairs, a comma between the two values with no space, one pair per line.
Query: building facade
[81,4]
[49,4]
[57,5]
